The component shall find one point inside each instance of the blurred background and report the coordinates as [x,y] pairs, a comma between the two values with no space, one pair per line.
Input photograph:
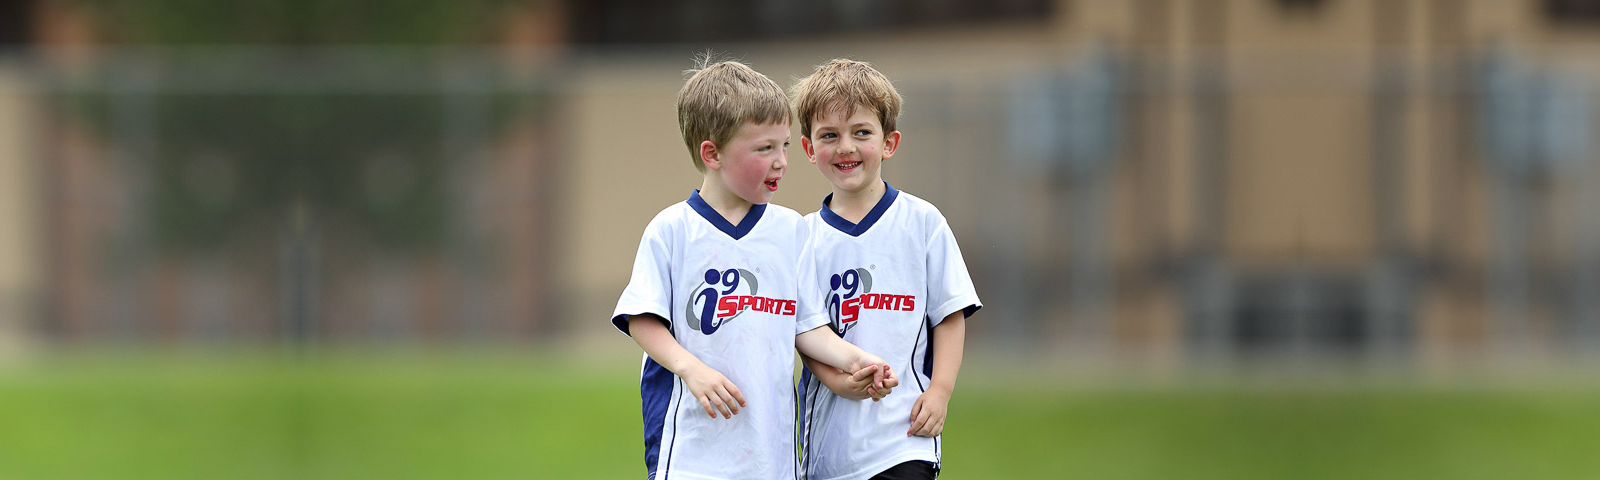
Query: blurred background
[1215,238]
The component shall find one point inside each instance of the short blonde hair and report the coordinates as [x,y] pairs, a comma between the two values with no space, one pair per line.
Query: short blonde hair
[840,86]
[721,97]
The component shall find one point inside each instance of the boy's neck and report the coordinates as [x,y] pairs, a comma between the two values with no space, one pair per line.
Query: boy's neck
[730,206]
[854,206]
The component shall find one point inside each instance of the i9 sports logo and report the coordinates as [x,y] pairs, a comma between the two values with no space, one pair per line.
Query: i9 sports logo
[851,292]
[724,296]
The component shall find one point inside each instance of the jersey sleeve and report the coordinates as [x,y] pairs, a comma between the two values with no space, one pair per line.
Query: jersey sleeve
[950,288]
[809,313]
[650,287]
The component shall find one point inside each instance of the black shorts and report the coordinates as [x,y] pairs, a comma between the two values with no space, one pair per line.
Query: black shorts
[912,470]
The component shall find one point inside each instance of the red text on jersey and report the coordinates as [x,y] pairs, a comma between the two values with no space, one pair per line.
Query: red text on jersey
[850,310]
[732,305]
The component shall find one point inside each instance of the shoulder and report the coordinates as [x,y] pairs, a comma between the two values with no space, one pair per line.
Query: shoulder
[669,219]
[922,211]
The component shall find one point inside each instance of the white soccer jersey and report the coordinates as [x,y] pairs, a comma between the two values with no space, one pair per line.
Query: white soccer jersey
[728,292]
[883,284]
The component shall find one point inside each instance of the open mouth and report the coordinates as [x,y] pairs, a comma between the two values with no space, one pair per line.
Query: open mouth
[847,166]
[772,184]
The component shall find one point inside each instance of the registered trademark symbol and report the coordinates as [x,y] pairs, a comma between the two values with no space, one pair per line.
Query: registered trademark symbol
[873,267]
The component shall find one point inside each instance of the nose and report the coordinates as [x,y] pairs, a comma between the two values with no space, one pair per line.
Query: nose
[782,161]
[847,147]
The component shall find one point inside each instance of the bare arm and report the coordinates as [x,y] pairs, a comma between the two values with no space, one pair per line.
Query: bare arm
[822,346]
[850,386]
[710,386]
[927,415]
[949,338]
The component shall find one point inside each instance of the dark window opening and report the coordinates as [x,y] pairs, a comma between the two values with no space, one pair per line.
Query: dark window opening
[646,21]
[1273,312]
[16,19]
[1578,12]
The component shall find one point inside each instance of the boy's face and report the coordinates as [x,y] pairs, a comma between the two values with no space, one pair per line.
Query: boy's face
[753,161]
[849,149]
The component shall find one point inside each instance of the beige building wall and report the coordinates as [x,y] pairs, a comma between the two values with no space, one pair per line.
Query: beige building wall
[19,194]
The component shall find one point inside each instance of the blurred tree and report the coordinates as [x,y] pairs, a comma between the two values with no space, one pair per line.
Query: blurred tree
[240,140]
[311,22]
[371,163]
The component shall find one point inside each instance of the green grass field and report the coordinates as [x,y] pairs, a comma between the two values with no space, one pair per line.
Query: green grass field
[475,415]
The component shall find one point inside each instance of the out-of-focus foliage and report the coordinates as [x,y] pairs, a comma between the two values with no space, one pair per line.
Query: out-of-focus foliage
[300,21]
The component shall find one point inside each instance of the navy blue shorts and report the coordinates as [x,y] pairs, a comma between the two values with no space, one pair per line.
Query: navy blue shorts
[912,470]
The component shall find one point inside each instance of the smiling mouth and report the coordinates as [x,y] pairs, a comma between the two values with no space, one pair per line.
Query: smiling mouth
[847,166]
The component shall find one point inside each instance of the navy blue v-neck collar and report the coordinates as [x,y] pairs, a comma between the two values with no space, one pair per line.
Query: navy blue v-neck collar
[856,229]
[710,214]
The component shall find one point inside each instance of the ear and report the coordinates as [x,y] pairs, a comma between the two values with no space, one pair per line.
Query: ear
[708,155]
[811,150]
[891,142]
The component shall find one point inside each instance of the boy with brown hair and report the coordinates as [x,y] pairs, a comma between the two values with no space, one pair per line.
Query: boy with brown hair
[891,277]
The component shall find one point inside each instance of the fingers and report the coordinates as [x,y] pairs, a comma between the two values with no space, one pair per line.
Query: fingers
[928,425]
[927,420]
[719,405]
[885,385]
[724,398]
[918,417]
[725,402]
[734,390]
[864,374]
[861,380]
[919,424]
[706,404]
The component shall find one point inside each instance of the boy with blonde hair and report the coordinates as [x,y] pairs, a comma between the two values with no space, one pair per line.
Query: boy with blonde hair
[893,281]
[712,299]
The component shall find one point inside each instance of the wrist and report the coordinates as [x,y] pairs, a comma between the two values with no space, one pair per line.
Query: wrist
[690,368]
[866,359]
[939,389]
